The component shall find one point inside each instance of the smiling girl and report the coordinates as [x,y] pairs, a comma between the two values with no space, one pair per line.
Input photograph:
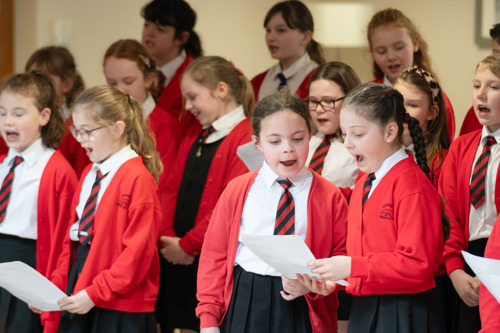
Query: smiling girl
[221,98]
[289,28]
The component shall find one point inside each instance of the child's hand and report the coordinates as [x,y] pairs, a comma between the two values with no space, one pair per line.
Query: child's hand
[173,252]
[320,287]
[210,330]
[333,269]
[79,303]
[292,289]
[35,310]
[466,286]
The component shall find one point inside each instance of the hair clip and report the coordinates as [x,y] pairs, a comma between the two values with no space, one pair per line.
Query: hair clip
[238,71]
[146,61]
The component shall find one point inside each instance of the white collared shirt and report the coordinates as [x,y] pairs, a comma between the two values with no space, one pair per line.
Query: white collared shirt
[21,216]
[481,220]
[148,106]
[170,68]
[294,74]
[225,124]
[109,168]
[387,165]
[259,213]
[340,166]
[386,82]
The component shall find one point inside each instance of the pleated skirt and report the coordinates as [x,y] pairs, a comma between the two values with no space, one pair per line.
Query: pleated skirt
[257,307]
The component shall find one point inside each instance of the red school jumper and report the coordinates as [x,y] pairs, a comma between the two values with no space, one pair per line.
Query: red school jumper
[171,101]
[225,166]
[454,187]
[393,242]
[57,187]
[489,308]
[167,134]
[325,236]
[122,270]
[302,91]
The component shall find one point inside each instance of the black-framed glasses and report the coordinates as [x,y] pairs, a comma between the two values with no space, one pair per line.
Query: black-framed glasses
[82,132]
[326,104]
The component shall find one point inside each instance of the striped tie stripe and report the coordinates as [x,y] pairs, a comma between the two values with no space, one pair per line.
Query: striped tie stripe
[318,159]
[7,187]
[367,186]
[285,215]
[477,184]
[87,219]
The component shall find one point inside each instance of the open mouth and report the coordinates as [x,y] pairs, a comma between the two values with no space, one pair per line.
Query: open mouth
[359,158]
[12,136]
[394,68]
[482,109]
[288,163]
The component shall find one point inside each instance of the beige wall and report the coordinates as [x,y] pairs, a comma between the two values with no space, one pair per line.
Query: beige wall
[233,29]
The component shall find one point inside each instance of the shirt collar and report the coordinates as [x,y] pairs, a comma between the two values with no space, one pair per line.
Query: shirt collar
[115,160]
[172,66]
[270,177]
[297,66]
[486,133]
[30,155]
[148,105]
[386,82]
[230,120]
[389,162]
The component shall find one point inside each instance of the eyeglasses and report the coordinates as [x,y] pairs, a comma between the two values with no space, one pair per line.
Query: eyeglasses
[82,132]
[326,104]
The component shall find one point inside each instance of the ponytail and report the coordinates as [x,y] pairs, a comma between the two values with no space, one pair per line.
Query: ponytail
[193,45]
[418,143]
[315,52]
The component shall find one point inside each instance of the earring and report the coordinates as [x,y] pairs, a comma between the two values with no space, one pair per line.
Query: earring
[388,140]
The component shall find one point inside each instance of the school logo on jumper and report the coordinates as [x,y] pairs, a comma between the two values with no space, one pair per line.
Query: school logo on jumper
[124,201]
[387,212]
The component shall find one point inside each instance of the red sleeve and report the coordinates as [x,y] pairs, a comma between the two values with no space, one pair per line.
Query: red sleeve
[448,189]
[256,83]
[138,244]
[450,117]
[489,308]
[419,238]
[470,123]
[167,134]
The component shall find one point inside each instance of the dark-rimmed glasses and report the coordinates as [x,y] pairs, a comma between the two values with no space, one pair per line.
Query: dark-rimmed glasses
[326,104]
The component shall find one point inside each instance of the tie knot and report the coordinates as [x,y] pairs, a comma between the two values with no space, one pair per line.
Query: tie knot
[328,137]
[285,183]
[371,176]
[282,79]
[17,160]
[99,176]
[490,141]
[205,133]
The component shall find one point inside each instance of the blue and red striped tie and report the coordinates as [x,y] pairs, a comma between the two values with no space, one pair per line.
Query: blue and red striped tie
[479,174]
[367,186]
[87,220]
[285,215]
[318,159]
[7,187]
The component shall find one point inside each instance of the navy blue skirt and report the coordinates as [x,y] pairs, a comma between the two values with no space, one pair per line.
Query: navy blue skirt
[15,316]
[405,313]
[257,307]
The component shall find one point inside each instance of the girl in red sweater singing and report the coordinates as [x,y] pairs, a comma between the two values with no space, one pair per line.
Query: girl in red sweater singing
[113,279]
[395,215]
[237,291]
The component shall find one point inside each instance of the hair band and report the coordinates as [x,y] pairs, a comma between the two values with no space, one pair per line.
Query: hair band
[431,81]
[146,61]
[389,92]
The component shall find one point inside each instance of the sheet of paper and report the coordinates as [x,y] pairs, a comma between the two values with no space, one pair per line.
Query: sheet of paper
[286,254]
[28,285]
[250,155]
[487,271]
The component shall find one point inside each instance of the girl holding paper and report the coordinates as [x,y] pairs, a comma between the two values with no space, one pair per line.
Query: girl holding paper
[283,197]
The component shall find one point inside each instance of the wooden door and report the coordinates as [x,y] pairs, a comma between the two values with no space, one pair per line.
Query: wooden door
[6,37]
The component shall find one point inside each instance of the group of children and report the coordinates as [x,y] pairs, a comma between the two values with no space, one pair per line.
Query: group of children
[135,199]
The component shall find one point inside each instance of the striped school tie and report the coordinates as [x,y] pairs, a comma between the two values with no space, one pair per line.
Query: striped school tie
[285,215]
[202,138]
[367,186]
[6,188]
[479,174]
[319,155]
[87,219]
[282,81]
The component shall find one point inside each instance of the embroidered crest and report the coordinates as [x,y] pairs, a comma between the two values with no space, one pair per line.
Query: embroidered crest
[124,201]
[387,212]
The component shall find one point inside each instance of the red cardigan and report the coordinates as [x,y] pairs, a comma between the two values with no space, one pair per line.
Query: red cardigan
[393,242]
[171,100]
[225,166]
[122,268]
[450,114]
[454,187]
[167,134]
[489,308]
[470,123]
[57,187]
[325,236]
[302,91]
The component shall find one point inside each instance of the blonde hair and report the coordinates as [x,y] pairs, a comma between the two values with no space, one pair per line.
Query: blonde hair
[209,71]
[109,105]
[491,62]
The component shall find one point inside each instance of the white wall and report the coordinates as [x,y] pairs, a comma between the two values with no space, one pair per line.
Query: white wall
[233,29]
